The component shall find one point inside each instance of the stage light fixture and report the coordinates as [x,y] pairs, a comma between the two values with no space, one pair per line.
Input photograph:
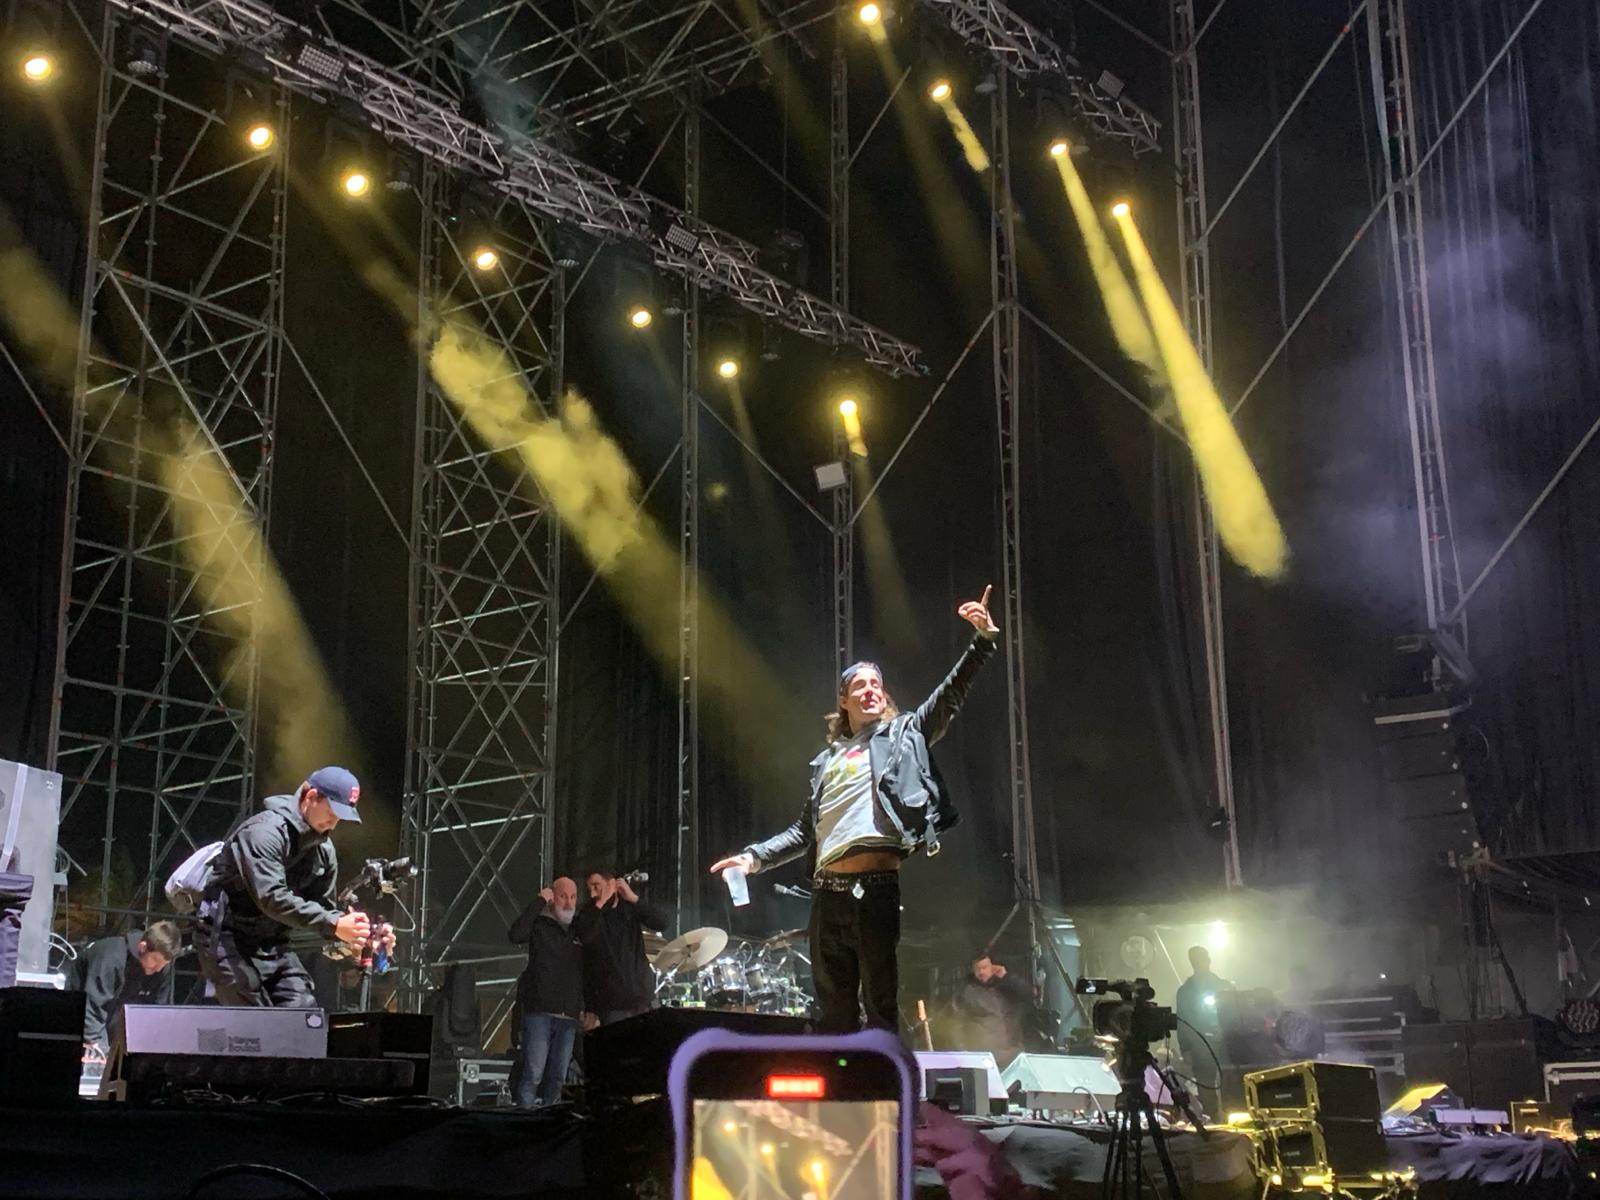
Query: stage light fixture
[768,1149]
[640,317]
[355,182]
[730,1127]
[485,258]
[940,90]
[728,368]
[38,67]
[848,408]
[869,13]
[1060,147]
[260,136]
[1121,208]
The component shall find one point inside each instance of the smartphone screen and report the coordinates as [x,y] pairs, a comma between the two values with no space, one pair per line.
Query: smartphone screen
[803,1126]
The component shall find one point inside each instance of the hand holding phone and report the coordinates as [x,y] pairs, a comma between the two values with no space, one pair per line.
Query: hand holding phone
[776,1116]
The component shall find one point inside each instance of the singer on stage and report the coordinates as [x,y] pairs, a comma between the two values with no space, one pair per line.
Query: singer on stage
[875,797]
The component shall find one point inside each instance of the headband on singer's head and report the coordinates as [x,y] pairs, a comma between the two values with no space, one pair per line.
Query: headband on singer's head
[855,669]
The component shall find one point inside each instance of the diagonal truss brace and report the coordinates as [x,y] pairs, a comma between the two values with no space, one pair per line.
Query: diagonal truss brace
[1025,50]
[549,182]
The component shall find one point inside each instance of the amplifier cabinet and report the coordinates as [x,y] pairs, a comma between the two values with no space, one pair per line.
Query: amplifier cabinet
[1313,1091]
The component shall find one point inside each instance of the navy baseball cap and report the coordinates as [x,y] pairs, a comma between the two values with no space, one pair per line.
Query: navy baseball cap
[340,789]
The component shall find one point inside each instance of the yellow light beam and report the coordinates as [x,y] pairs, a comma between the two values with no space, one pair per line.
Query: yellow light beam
[1127,319]
[1245,520]
[583,474]
[977,157]
[237,581]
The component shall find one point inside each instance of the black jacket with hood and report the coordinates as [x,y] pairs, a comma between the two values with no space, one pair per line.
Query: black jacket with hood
[276,875]
[906,782]
[552,982]
[109,975]
[616,970]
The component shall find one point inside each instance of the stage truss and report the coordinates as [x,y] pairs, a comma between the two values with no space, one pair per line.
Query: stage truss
[158,744]
[181,338]
[485,577]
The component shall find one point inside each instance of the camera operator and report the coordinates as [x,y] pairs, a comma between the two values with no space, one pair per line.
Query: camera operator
[989,1007]
[274,875]
[617,980]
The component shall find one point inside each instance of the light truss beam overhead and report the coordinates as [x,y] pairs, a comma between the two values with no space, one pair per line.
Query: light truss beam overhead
[586,62]
[547,181]
[1023,49]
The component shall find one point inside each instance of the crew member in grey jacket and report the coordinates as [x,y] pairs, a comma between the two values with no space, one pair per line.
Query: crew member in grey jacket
[875,797]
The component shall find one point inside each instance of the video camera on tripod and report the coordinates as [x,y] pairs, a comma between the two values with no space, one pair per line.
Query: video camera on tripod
[1133,1018]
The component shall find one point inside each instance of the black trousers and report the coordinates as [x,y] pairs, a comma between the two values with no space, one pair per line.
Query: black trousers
[247,974]
[854,954]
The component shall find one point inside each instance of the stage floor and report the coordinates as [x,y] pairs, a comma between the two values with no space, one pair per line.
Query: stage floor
[356,1151]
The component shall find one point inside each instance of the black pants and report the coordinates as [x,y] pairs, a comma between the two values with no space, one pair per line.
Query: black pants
[854,954]
[246,974]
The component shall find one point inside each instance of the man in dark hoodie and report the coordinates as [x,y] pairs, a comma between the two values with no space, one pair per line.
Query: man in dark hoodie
[275,875]
[618,983]
[550,992]
[134,968]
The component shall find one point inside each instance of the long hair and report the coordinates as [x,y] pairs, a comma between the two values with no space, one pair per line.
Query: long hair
[838,721]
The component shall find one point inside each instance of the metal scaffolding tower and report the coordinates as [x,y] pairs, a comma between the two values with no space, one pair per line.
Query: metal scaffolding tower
[1194,251]
[687,856]
[842,513]
[180,344]
[485,587]
[1441,567]
[1006,335]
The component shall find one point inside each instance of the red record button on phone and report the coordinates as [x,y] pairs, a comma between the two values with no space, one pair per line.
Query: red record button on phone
[796,1087]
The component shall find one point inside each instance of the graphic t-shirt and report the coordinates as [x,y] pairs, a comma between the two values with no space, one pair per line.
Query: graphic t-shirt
[847,814]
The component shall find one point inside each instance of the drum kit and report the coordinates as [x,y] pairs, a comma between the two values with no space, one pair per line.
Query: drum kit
[705,968]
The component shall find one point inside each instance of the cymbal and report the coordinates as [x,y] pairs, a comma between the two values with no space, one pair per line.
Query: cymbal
[694,949]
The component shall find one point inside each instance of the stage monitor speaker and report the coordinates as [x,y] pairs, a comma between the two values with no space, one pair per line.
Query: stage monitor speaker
[960,1090]
[940,1060]
[1435,754]
[1061,1082]
[408,1036]
[1488,1064]
[631,1058]
[209,1029]
[166,1076]
[41,1046]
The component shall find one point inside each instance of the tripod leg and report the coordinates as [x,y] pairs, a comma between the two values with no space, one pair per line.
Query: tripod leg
[1160,1141]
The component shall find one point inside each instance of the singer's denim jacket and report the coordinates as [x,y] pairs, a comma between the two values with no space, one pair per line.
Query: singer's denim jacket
[908,787]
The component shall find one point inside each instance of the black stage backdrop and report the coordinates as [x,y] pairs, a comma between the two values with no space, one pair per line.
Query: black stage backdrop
[1122,786]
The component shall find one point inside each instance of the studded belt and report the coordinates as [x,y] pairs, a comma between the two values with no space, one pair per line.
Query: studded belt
[858,883]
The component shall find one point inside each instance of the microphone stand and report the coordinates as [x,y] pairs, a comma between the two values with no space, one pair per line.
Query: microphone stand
[1036,907]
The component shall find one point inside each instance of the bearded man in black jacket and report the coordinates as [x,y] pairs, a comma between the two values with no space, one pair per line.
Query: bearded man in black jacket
[549,992]
[875,797]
